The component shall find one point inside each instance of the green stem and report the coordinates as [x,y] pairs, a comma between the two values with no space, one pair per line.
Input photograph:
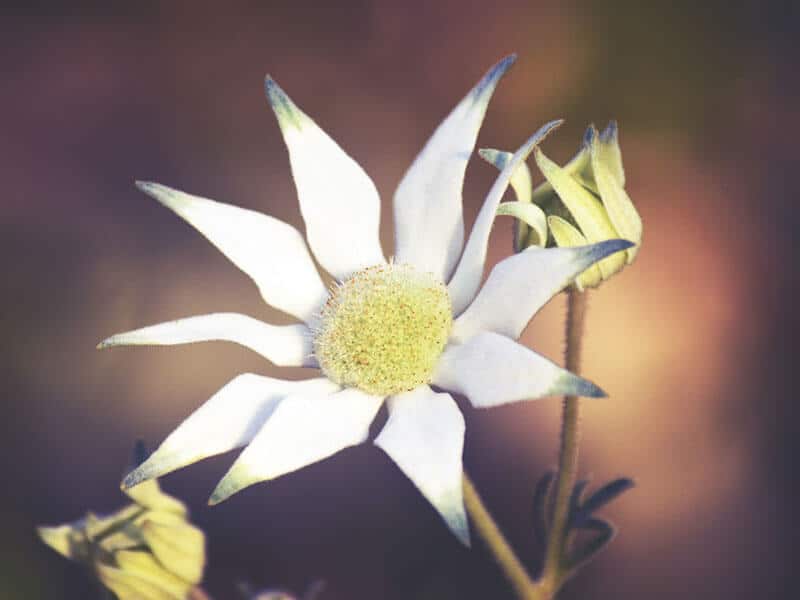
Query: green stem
[553,573]
[503,553]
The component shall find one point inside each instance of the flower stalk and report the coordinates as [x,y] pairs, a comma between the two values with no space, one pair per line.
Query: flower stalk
[554,572]
[504,555]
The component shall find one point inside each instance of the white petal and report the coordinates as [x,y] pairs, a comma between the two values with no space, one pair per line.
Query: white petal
[338,200]
[271,252]
[285,346]
[304,429]
[429,224]
[521,284]
[467,278]
[230,419]
[491,369]
[424,436]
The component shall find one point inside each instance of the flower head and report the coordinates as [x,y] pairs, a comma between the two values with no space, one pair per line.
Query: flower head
[386,331]
[147,549]
[584,201]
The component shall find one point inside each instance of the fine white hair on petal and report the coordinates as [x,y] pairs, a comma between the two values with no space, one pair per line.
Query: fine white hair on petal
[338,200]
[424,436]
[491,369]
[304,429]
[429,223]
[284,345]
[467,278]
[521,284]
[270,251]
[228,420]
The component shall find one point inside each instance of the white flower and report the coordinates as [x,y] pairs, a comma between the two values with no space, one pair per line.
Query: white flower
[385,331]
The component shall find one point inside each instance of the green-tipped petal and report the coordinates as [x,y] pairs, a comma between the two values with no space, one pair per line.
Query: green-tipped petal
[585,208]
[467,278]
[282,345]
[270,251]
[424,436]
[567,236]
[304,429]
[228,420]
[618,205]
[338,200]
[429,224]
[521,284]
[491,369]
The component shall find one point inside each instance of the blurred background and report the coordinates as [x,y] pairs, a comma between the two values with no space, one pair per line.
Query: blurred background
[694,342]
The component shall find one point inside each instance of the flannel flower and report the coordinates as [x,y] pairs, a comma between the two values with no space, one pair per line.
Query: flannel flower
[385,330]
[583,201]
[147,550]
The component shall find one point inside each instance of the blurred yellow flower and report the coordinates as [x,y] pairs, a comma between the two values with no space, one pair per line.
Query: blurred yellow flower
[583,202]
[147,550]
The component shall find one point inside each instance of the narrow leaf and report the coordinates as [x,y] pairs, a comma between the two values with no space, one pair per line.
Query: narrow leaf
[541,505]
[580,556]
[606,494]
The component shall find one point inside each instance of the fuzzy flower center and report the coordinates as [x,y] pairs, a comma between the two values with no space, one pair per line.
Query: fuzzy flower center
[382,330]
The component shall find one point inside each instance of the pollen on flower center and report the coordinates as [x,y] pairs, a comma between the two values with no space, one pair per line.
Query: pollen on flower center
[383,329]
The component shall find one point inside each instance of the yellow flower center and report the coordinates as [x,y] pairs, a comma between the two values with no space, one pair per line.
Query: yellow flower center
[383,329]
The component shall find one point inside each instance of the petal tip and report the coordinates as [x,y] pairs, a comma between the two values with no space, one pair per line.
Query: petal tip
[139,475]
[498,158]
[587,389]
[222,492]
[590,135]
[600,250]
[488,83]
[148,187]
[610,133]
[537,138]
[288,115]
[235,480]
[158,192]
[463,535]
[572,385]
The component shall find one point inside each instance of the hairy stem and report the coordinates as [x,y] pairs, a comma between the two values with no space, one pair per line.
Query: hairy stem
[503,553]
[552,572]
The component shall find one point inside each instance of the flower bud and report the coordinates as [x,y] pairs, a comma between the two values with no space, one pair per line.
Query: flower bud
[584,202]
[147,549]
